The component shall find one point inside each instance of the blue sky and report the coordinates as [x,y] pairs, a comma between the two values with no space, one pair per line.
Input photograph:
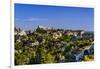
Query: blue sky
[29,16]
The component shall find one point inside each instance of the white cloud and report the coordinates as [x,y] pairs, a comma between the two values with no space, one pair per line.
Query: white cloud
[34,19]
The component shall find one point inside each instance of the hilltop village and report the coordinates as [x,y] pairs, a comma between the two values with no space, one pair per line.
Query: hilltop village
[48,45]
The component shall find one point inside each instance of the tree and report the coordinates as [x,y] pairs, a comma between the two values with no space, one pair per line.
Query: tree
[21,59]
[49,58]
[18,45]
[88,57]
[40,30]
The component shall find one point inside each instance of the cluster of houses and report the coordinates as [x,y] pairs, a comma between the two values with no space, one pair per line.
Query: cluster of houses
[55,34]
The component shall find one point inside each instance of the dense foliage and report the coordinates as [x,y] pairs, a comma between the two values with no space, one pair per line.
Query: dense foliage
[43,46]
